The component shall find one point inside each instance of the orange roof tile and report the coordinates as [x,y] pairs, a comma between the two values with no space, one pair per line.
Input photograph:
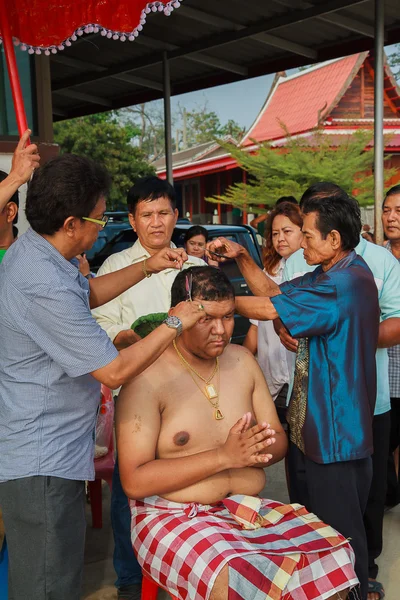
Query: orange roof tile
[299,100]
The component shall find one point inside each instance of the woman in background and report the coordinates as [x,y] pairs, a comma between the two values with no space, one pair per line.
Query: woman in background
[283,237]
[195,242]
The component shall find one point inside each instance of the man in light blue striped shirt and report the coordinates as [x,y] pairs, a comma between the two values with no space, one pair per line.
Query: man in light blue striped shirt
[53,357]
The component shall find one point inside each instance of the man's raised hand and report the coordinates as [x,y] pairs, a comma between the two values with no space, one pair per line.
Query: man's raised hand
[188,312]
[220,249]
[25,159]
[245,446]
[166,258]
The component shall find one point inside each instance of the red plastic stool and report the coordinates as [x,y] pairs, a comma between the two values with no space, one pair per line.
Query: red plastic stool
[150,589]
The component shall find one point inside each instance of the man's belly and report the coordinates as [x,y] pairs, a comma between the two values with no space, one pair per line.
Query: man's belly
[249,481]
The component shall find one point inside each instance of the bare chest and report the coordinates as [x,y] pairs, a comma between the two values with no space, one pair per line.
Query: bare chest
[198,416]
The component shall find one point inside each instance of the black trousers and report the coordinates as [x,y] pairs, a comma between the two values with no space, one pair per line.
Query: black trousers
[373,516]
[393,478]
[44,519]
[337,493]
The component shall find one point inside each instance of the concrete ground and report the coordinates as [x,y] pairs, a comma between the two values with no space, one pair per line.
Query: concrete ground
[99,575]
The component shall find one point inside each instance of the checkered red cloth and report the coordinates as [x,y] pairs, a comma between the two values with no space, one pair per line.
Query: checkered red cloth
[274,551]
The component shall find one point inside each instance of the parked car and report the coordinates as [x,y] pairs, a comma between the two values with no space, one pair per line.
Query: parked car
[117,222]
[242,234]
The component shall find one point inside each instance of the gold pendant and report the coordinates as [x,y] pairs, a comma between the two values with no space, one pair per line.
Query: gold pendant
[211,392]
[218,415]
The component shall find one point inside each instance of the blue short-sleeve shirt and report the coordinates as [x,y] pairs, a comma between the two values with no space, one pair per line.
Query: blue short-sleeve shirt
[330,309]
[50,343]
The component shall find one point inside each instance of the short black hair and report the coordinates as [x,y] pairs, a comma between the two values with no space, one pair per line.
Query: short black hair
[282,199]
[147,189]
[336,210]
[66,186]
[208,283]
[14,198]
[392,192]
[195,230]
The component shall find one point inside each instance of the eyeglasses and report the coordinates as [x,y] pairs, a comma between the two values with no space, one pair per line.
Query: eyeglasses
[102,222]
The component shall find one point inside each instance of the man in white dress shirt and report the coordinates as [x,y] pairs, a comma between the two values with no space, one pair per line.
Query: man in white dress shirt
[152,215]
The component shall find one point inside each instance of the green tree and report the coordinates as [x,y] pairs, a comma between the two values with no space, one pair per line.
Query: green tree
[289,170]
[394,61]
[102,138]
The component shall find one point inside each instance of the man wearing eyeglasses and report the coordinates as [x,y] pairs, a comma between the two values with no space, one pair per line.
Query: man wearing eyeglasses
[53,357]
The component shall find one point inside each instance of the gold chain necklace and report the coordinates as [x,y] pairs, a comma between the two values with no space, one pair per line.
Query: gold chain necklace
[210,391]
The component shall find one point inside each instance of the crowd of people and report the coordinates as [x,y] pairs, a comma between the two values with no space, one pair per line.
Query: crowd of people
[198,420]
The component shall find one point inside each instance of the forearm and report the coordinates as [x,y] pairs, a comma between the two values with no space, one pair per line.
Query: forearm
[255,307]
[389,333]
[257,280]
[8,187]
[135,359]
[166,475]
[107,287]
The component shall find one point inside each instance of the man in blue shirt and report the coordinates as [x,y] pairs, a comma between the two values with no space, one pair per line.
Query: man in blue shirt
[53,357]
[386,272]
[334,311]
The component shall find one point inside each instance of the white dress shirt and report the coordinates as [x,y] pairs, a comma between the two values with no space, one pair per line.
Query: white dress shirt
[271,354]
[151,295]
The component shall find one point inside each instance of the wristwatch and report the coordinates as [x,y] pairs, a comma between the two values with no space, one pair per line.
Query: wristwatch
[174,323]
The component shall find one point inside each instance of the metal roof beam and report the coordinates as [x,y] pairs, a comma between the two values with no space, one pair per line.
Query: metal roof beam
[263,38]
[216,40]
[351,24]
[85,97]
[82,64]
[149,83]
[211,61]
[59,112]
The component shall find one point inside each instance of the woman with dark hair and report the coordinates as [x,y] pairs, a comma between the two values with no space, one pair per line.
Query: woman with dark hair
[283,237]
[195,242]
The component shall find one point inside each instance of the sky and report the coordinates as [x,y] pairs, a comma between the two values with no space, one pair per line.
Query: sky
[233,101]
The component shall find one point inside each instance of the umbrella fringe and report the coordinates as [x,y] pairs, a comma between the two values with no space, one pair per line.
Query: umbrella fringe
[123,36]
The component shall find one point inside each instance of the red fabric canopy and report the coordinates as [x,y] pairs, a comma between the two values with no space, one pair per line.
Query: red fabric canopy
[50,25]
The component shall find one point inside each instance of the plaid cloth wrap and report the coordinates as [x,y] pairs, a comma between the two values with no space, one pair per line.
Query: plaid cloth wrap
[275,551]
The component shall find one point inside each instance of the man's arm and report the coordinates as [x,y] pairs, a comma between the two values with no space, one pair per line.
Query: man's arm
[107,287]
[389,332]
[265,411]
[138,424]
[25,161]
[257,280]
[389,304]
[254,307]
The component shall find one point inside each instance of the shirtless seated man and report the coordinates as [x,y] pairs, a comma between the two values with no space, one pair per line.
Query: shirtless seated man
[194,433]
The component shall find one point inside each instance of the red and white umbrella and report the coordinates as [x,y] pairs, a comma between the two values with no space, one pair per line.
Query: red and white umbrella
[49,26]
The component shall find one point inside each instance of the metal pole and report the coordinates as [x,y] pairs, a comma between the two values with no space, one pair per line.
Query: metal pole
[12,70]
[378,117]
[167,118]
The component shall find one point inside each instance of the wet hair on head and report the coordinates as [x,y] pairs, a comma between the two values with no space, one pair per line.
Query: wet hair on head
[147,189]
[195,230]
[336,210]
[208,283]
[271,258]
[65,186]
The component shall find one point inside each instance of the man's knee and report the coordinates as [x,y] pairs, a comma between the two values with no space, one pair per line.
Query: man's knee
[220,587]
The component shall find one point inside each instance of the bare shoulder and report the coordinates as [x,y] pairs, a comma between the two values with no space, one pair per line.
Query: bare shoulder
[151,380]
[235,354]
